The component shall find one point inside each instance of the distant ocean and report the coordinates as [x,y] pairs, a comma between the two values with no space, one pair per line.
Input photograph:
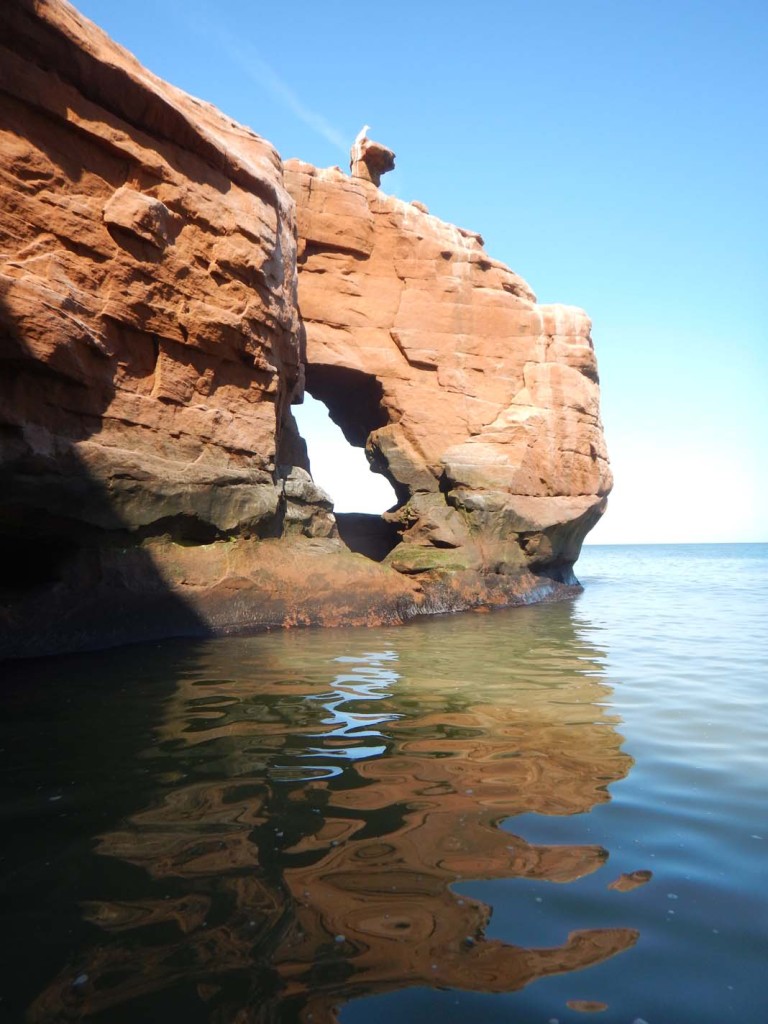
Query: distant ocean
[522,816]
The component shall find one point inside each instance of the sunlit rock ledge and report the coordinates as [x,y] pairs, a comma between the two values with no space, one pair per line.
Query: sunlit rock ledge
[167,291]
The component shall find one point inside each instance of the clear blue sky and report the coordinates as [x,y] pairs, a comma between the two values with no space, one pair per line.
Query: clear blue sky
[613,152]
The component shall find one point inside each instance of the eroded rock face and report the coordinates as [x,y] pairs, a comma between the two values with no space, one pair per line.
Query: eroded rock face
[152,479]
[150,342]
[369,160]
[148,290]
[479,405]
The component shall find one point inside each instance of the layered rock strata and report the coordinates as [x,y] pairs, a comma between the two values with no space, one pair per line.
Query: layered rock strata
[152,479]
[480,406]
[150,347]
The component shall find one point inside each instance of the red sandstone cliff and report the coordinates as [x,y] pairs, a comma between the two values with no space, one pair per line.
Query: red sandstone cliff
[152,479]
[480,406]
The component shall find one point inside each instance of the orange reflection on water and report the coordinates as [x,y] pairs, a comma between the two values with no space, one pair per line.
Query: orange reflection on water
[315,812]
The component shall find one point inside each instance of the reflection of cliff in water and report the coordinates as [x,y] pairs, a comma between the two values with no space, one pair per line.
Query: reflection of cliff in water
[314,811]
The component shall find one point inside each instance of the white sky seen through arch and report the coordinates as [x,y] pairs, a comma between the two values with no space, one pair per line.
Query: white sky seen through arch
[337,467]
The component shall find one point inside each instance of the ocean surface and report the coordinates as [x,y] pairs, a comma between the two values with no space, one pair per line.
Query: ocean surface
[530,816]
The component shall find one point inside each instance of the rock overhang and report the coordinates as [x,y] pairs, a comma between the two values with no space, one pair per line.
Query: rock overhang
[152,251]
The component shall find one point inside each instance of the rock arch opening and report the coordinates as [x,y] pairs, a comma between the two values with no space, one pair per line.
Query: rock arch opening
[354,399]
[335,421]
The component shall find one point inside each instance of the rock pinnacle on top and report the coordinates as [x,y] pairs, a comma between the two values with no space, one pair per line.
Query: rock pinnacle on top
[369,160]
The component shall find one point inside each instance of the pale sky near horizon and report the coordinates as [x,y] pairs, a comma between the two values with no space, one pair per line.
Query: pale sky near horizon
[613,154]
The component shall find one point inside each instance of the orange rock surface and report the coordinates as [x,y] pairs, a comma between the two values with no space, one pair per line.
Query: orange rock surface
[153,481]
[150,347]
[148,281]
[479,405]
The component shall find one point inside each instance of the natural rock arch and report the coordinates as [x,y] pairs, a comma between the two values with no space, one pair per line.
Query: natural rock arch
[150,271]
[478,404]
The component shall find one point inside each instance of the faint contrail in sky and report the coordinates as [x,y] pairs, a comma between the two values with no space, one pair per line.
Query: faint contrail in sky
[260,72]
[257,69]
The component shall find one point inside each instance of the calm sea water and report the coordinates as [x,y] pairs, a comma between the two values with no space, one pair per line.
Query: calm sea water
[525,816]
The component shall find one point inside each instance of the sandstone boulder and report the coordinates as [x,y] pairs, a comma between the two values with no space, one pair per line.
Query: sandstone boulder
[369,160]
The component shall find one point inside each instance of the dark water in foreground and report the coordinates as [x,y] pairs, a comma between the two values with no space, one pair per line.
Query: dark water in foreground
[521,817]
